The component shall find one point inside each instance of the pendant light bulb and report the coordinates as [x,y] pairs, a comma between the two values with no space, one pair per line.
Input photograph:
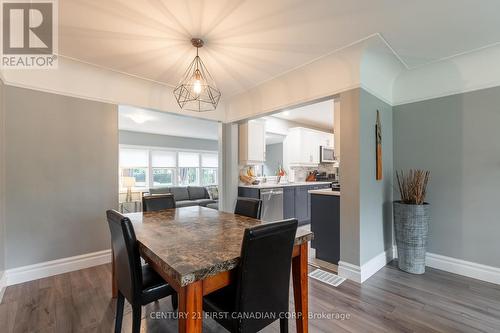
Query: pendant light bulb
[197,82]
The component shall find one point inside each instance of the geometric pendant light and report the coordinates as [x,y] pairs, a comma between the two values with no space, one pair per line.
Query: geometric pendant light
[196,90]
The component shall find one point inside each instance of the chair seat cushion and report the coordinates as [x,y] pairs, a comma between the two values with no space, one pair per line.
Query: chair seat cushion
[185,203]
[153,286]
[222,301]
[204,202]
[150,278]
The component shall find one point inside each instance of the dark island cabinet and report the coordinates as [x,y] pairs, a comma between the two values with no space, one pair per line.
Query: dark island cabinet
[301,204]
[296,200]
[325,224]
[289,202]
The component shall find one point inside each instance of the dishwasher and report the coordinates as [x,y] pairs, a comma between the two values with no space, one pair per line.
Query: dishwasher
[272,204]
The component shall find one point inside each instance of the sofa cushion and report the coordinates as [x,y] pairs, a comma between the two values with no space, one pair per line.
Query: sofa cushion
[180,193]
[185,203]
[197,192]
[214,205]
[213,192]
[204,202]
[159,190]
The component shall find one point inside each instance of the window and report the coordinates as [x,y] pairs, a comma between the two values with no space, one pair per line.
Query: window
[134,163]
[163,176]
[164,165]
[209,164]
[189,164]
[157,167]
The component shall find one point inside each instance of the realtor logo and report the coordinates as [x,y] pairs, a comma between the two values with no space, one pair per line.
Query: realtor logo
[29,34]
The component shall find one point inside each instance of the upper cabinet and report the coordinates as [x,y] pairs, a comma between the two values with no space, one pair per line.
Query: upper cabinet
[302,146]
[252,143]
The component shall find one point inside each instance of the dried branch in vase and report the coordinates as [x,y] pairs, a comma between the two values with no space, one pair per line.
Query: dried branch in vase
[413,186]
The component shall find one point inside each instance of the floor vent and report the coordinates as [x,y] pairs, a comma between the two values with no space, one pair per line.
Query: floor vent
[326,277]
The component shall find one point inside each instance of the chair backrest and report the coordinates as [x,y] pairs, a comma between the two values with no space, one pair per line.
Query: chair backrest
[248,207]
[151,203]
[128,270]
[263,277]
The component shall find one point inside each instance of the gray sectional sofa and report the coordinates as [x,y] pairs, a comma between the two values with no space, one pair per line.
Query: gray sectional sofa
[186,196]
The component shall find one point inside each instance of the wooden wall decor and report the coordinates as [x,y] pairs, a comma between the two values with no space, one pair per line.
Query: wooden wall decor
[378,140]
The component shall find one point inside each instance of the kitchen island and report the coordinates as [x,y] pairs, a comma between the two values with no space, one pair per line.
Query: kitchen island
[325,224]
[284,200]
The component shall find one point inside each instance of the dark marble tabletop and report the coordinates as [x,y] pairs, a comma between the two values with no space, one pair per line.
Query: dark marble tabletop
[192,243]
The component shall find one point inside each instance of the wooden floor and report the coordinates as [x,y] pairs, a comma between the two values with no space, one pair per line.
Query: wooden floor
[390,301]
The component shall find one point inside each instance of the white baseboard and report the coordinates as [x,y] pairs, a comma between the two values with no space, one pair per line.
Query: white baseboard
[462,267]
[349,271]
[3,285]
[54,267]
[376,263]
[361,274]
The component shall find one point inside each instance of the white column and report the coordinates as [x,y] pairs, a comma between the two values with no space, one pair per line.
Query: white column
[228,166]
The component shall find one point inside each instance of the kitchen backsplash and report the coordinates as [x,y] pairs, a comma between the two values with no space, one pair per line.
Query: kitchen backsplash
[301,173]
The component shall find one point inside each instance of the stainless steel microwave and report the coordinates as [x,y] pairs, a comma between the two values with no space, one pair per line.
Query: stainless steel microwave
[326,154]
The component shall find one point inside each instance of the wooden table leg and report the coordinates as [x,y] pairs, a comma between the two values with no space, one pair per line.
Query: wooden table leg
[191,308]
[114,285]
[300,292]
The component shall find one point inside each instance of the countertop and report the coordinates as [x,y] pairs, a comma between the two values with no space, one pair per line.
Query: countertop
[274,185]
[192,243]
[326,191]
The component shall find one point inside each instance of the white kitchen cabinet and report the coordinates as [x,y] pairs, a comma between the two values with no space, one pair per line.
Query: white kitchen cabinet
[252,142]
[302,145]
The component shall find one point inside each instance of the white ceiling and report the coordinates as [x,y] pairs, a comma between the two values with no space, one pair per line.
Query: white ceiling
[248,42]
[146,121]
[318,115]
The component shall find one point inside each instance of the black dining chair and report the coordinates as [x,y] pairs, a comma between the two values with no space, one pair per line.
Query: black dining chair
[155,202]
[248,207]
[262,281]
[138,283]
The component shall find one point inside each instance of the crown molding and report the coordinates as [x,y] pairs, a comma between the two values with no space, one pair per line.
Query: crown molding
[114,70]
[459,74]
[379,75]
[83,80]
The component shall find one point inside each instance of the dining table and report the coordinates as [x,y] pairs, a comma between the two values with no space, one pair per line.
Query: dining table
[197,250]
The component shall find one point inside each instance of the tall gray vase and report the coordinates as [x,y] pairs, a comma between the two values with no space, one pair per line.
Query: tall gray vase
[411,223]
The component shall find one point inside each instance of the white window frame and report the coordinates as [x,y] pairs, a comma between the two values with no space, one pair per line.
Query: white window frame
[174,169]
[149,174]
[216,177]
[148,169]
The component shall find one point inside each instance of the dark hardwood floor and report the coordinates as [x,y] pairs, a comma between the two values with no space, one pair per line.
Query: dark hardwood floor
[390,301]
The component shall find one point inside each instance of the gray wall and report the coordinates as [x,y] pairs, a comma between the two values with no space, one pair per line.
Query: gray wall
[2,182]
[457,138]
[274,158]
[349,177]
[375,195]
[365,203]
[156,140]
[61,175]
